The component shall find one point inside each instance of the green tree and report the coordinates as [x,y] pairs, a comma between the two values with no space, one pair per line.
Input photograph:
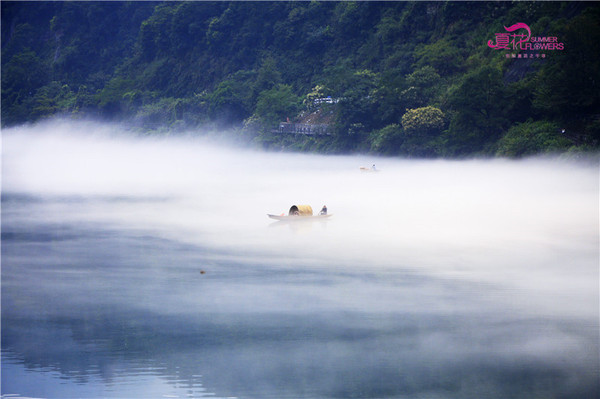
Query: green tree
[154,40]
[51,99]
[422,85]
[319,91]
[268,76]
[111,98]
[387,141]
[477,111]
[421,132]
[442,55]
[277,104]
[356,115]
[567,88]
[390,102]
[425,121]
[204,62]
[228,103]
[22,76]
[531,138]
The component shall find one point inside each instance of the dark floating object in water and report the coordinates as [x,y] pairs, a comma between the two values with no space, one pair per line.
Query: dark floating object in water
[300,212]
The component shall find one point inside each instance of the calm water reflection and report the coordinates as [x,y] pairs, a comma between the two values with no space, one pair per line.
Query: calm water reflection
[135,296]
[94,312]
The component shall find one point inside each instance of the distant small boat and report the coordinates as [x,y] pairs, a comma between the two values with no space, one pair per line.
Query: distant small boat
[367,169]
[299,213]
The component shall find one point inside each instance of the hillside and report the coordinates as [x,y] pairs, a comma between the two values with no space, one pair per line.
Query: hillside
[409,78]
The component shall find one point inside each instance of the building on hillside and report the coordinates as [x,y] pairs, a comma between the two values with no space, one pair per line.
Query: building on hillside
[326,100]
[303,128]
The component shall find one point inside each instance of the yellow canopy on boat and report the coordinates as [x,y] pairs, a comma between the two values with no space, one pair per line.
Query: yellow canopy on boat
[301,210]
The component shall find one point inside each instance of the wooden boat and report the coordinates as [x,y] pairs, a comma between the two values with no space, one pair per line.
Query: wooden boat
[366,169]
[299,213]
[297,218]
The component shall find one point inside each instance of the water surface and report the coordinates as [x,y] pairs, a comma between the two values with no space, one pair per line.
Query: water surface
[138,267]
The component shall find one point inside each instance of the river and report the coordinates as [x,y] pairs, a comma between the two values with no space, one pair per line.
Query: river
[139,267]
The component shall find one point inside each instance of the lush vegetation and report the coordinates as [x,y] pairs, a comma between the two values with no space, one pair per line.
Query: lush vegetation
[412,79]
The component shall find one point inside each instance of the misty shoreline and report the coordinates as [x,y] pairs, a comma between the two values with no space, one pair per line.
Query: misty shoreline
[240,138]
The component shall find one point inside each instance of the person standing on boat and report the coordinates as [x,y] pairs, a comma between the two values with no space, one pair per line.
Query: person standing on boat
[323,210]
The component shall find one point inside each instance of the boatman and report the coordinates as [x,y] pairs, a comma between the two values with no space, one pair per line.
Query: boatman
[323,210]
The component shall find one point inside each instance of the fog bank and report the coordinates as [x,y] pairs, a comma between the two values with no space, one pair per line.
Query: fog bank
[529,227]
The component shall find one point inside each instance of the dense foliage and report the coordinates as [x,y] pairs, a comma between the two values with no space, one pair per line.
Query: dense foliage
[408,78]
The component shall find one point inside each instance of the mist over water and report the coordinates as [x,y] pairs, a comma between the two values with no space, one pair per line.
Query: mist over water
[152,262]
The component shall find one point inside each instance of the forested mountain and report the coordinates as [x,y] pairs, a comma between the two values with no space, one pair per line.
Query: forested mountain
[406,78]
